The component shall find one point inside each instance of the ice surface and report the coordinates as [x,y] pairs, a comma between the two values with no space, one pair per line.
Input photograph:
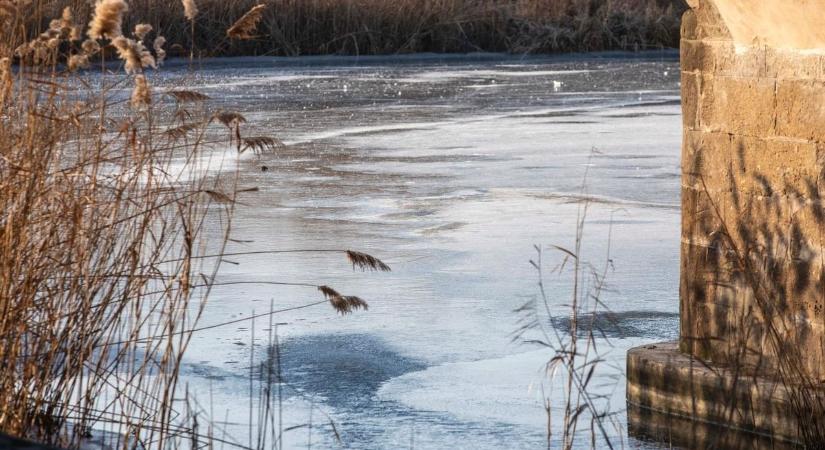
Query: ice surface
[451,183]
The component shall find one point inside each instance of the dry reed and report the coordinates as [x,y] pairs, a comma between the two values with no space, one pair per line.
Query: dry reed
[344,304]
[135,56]
[245,27]
[141,30]
[104,269]
[364,261]
[107,21]
[190,9]
[763,264]
[576,356]
[262,144]
[89,215]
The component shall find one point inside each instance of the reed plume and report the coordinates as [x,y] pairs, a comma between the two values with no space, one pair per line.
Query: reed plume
[229,119]
[183,96]
[107,21]
[160,53]
[262,144]
[190,9]
[90,47]
[141,30]
[63,27]
[344,304]
[365,262]
[180,132]
[134,55]
[141,94]
[77,62]
[247,24]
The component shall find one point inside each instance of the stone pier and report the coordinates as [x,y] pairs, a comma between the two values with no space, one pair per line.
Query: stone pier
[751,354]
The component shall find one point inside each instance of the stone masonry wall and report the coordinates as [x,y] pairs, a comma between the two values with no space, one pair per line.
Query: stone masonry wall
[753,232]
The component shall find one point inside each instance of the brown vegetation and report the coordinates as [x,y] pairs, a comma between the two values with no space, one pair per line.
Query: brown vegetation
[312,27]
[575,350]
[104,266]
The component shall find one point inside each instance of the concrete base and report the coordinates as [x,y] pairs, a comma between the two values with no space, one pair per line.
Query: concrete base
[676,399]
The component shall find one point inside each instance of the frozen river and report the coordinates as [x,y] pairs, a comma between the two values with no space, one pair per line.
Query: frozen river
[450,170]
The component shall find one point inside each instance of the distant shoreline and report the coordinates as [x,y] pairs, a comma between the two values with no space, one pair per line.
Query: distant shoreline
[379,27]
[277,62]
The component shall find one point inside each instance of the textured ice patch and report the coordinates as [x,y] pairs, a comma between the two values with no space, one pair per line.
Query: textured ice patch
[504,390]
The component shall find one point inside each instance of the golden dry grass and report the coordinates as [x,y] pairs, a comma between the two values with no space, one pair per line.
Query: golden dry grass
[104,266]
[99,244]
[311,27]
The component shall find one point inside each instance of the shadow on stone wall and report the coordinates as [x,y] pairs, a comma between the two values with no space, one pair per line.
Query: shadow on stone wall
[754,283]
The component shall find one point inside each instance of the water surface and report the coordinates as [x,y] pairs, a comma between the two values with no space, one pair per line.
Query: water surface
[451,170]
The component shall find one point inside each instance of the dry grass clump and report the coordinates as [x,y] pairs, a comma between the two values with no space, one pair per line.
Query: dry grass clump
[104,269]
[90,218]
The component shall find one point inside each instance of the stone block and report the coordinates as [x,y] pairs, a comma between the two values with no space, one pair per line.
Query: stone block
[691,85]
[702,149]
[800,109]
[769,166]
[697,56]
[732,60]
[738,105]
[723,58]
[696,390]
[789,64]
[690,25]
[709,23]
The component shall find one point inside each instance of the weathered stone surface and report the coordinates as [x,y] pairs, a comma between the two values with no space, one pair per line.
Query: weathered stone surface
[800,109]
[821,74]
[753,221]
[724,58]
[789,64]
[733,60]
[793,24]
[690,26]
[738,105]
[752,166]
[691,94]
[709,23]
[697,56]
[664,383]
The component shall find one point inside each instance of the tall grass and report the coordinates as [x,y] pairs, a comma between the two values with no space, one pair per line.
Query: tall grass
[365,27]
[104,265]
[577,358]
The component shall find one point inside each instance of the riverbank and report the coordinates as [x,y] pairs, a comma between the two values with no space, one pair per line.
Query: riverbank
[371,27]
